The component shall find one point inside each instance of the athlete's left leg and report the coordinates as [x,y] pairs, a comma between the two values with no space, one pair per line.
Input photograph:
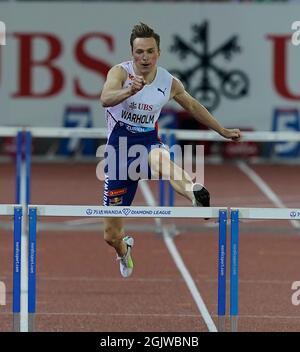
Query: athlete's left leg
[161,164]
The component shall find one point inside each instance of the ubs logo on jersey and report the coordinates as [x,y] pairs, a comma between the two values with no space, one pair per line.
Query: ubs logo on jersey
[132,106]
[140,106]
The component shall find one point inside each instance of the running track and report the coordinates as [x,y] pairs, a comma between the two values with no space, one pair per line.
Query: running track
[80,289]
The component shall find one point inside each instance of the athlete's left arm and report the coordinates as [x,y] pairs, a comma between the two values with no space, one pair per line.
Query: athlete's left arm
[199,112]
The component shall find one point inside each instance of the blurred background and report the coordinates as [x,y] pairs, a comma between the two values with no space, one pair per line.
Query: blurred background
[236,57]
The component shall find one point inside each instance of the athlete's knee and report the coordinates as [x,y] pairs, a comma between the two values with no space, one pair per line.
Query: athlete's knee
[113,241]
[113,234]
[159,161]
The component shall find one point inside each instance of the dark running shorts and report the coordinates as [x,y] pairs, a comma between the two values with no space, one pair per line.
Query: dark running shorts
[120,183]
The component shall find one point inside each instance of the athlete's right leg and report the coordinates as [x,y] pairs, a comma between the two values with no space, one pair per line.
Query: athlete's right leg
[119,193]
[114,234]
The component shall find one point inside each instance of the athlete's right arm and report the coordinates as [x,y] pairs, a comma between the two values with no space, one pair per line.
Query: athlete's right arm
[113,92]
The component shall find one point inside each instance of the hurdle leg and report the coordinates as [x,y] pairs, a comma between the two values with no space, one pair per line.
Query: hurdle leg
[17,268]
[19,143]
[32,269]
[172,141]
[161,181]
[222,270]
[234,251]
[28,151]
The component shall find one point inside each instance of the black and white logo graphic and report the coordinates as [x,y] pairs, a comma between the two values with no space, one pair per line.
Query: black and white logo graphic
[208,79]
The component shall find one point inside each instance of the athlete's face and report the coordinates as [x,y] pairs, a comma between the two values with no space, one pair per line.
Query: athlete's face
[145,54]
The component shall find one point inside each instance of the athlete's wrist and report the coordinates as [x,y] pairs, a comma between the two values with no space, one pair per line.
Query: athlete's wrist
[222,131]
[130,91]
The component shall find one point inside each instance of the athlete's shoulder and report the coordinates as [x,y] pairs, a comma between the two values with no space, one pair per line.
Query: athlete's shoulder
[126,65]
[117,71]
[164,71]
[127,68]
[165,75]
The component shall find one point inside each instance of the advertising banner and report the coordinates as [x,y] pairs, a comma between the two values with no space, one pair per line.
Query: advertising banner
[240,60]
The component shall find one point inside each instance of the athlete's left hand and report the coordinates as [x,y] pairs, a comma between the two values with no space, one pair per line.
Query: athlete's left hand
[233,134]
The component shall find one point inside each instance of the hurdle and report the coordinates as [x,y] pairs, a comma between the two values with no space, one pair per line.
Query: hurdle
[169,136]
[255,213]
[23,195]
[222,255]
[237,214]
[37,211]
[16,212]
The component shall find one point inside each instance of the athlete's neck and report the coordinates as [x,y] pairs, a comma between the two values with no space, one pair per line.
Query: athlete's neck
[148,76]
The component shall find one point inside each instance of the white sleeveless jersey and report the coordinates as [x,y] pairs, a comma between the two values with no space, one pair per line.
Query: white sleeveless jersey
[141,111]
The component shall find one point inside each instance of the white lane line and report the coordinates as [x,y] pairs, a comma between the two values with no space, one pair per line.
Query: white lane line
[265,188]
[180,264]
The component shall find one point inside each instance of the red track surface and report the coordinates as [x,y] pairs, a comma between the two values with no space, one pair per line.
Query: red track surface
[79,287]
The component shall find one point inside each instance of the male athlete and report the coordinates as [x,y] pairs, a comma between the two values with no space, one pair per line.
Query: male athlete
[133,95]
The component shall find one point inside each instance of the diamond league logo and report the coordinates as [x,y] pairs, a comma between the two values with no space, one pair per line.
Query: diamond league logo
[89,212]
[126,211]
[295,214]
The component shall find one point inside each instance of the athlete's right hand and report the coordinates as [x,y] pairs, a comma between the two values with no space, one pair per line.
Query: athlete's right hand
[137,84]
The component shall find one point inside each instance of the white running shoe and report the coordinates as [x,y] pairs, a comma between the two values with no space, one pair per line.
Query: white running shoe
[126,262]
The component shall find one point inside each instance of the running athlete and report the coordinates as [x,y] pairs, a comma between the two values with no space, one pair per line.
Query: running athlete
[133,96]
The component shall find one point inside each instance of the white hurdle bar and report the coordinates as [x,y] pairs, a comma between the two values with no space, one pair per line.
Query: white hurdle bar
[9,131]
[254,136]
[7,209]
[268,213]
[64,132]
[129,212]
